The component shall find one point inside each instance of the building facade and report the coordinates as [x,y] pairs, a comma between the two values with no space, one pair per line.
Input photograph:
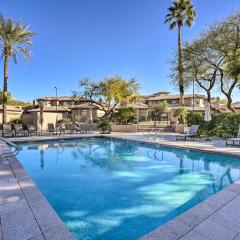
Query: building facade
[81,110]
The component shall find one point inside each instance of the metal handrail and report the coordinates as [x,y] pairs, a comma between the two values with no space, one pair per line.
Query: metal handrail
[12,153]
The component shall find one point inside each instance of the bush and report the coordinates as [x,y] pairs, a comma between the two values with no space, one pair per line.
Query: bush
[104,125]
[125,115]
[196,118]
[16,121]
[181,114]
[225,124]
[222,124]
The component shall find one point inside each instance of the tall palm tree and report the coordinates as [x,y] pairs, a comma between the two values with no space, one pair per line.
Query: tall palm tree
[14,40]
[181,12]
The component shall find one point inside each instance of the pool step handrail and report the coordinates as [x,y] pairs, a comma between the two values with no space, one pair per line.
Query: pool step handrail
[11,153]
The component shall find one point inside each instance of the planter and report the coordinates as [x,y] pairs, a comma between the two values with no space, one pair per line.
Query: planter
[124,128]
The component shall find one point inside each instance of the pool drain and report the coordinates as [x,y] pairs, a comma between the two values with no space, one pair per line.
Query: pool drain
[12,199]
[12,180]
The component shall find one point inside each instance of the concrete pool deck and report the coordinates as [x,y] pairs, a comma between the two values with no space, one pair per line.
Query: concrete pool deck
[33,218]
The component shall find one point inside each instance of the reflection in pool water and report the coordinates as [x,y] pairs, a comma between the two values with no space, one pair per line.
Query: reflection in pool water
[115,189]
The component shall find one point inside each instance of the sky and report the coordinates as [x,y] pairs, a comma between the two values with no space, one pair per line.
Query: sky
[100,38]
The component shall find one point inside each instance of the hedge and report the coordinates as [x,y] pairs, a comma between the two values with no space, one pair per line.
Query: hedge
[222,124]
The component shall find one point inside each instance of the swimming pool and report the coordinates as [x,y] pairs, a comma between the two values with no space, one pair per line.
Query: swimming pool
[115,189]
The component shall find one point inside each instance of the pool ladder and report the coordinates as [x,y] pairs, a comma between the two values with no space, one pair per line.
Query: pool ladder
[159,139]
[10,153]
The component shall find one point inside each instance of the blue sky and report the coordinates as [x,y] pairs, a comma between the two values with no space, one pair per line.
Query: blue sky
[98,38]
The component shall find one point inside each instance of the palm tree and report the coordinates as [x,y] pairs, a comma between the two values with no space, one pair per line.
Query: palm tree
[14,40]
[181,12]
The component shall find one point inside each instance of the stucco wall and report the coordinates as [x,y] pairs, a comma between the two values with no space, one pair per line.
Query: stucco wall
[48,117]
[27,118]
[11,116]
[124,128]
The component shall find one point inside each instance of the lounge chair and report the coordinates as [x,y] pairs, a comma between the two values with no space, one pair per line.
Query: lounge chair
[19,131]
[191,132]
[31,130]
[7,130]
[69,128]
[61,128]
[73,128]
[85,128]
[51,129]
[233,141]
[77,127]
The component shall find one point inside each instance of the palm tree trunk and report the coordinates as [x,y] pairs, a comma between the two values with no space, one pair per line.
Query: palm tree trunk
[180,66]
[5,85]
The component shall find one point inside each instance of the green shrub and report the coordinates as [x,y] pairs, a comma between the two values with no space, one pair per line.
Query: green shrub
[104,125]
[222,124]
[181,114]
[196,118]
[225,124]
[125,115]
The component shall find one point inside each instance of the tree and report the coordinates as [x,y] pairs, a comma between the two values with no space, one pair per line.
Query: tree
[181,115]
[125,115]
[12,101]
[160,109]
[109,93]
[201,64]
[214,59]
[225,41]
[181,12]
[14,40]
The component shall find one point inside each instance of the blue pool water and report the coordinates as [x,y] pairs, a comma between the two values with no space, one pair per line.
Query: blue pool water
[107,189]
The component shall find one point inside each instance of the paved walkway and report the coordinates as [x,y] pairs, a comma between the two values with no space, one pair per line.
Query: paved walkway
[216,145]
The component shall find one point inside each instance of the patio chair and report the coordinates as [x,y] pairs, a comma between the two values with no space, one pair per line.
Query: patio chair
[31,130]
[7,130]
[233,141]
[51,129]
[191,132]
[19,131]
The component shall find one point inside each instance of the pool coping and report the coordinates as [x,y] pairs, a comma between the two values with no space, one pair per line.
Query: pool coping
[174,145]
[213,149]
[199,222]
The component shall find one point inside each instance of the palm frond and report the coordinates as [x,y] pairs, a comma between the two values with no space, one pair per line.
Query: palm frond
[181,12]
[14,38]
[14,55]
[172,25]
